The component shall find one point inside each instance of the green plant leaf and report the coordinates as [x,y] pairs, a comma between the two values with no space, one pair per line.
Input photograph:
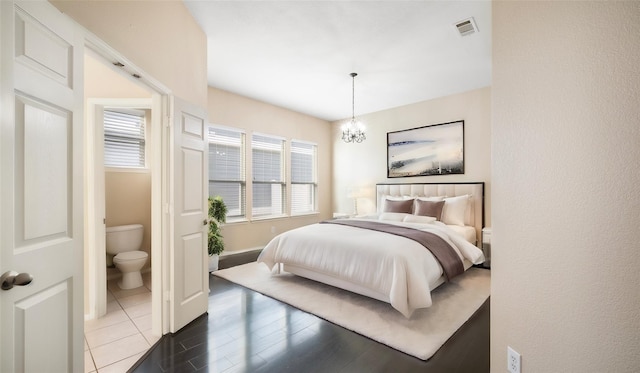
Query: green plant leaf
[217,217]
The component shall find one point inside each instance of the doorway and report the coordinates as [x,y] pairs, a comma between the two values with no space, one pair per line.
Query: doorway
[118,196]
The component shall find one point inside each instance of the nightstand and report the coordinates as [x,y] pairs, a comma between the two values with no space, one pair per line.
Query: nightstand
[486,246]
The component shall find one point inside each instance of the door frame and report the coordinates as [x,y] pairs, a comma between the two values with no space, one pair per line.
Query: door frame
[95,249]
[160,190]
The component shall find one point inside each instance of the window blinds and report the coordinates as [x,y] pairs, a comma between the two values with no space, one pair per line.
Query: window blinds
[124,139]
[268,175]
[227,174]
[303,177]
[227,169]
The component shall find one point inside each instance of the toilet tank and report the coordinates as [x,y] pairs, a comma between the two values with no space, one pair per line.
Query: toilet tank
[121,238]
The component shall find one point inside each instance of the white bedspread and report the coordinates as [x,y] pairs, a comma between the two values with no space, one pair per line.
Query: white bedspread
[382,262]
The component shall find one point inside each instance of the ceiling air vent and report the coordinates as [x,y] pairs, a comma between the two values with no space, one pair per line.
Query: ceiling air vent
[466,27]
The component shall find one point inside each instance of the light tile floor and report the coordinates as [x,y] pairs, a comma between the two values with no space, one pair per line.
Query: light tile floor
[114,342]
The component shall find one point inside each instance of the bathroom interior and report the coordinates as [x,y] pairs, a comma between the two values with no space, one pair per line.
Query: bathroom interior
[125,201]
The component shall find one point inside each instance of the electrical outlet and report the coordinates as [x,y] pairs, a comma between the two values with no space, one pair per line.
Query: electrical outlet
[513,361]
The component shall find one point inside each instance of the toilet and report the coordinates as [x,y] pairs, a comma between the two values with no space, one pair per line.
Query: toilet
[123,245]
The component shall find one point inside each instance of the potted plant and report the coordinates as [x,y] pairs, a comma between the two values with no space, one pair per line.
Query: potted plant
[217,217]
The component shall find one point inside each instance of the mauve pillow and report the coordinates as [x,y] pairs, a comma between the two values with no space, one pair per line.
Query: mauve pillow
[398,206]
[429,208]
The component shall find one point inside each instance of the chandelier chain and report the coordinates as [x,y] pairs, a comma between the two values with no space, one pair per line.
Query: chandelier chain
[353,96]
[353,131]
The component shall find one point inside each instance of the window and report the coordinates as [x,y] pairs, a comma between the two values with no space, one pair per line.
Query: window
[124,139]
[226,169]
[268,176]
[303,177]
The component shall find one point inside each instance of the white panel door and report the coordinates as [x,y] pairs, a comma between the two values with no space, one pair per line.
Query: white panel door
[189,258]
[41,323]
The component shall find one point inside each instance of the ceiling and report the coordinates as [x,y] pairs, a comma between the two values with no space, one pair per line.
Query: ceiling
[299,54]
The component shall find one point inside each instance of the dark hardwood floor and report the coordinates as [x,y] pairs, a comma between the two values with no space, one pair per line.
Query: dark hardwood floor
[245,331]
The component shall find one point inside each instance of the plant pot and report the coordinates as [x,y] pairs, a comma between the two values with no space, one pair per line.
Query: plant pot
[213,262]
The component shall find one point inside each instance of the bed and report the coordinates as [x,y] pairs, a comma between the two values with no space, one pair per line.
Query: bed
[384,255]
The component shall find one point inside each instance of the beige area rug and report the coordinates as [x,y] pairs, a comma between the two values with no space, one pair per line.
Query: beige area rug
[420,336]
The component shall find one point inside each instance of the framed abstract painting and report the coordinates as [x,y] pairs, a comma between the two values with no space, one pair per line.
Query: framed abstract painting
[425,151]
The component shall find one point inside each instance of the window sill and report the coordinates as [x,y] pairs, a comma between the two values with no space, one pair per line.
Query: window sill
[303,214]
[144,170]
[236,221]
[270,217]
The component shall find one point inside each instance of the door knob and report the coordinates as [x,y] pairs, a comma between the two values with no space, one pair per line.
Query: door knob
[205,222]
[11,278]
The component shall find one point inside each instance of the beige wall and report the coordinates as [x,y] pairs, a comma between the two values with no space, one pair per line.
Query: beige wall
[103,81]
[128,201]
[161,37]
[360,166]
[231,110]
[566,186]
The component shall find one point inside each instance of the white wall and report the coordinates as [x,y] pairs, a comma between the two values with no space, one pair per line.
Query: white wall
[566,189]
[360,166]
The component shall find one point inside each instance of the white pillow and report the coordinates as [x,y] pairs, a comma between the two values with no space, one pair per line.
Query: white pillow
[433,198]
[397,198]
[419,219]
[455,210]
[393,216]
[369,216]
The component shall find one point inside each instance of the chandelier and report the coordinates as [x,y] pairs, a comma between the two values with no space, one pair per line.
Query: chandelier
[353,131]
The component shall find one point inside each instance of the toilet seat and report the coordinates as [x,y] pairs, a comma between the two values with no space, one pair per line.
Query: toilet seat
[131,255]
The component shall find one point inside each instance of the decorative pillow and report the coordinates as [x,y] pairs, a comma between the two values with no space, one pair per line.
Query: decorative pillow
[398,206]
[393,216]
[419,219]
[384,198]
[429,208]
[430,199]
[455,209]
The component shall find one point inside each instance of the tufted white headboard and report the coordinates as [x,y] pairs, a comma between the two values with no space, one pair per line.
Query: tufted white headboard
[475,212]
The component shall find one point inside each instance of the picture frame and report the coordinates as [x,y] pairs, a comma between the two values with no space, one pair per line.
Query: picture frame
[436,149]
